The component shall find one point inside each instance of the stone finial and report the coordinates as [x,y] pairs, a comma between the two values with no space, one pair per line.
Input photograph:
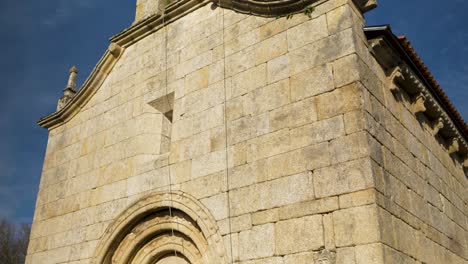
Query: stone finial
[69,91]
[453,145]
[437,125]
[418,103]
[72,79]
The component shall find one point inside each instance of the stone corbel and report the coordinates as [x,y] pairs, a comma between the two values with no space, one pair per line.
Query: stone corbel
[418,103]
[395,77]
[453,145]
[115,50]
[437,125]
[384,54]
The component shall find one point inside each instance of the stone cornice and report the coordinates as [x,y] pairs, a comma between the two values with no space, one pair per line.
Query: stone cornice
[403,74]
[425,102]
[91,85]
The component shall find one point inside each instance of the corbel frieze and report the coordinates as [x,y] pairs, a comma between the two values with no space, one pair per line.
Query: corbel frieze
[402,77]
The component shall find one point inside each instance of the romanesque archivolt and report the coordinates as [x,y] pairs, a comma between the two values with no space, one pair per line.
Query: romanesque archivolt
[169,227]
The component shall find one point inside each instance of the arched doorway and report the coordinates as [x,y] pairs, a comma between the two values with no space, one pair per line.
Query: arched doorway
[163,228]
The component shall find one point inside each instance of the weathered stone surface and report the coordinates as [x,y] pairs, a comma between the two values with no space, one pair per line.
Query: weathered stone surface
[303,86]
[259,242]
[275,140]
[356,226]
[343,178]
[317,132]
[283,191]
[307,32]
[299,235]
[266,216]
[345,99]
[308,208]
[271,48]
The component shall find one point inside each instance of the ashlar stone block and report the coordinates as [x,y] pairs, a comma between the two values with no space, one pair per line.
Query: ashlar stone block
[356,226]
[321,51]
[307,32]
[271,194]
[317,132]
[344,178]
[267,98]
[278,68]
[248,80]
[312,82]
[299,235]
[259,242]
[345,99]
[271,48]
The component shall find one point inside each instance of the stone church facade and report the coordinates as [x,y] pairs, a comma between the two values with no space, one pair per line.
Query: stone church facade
[236,132]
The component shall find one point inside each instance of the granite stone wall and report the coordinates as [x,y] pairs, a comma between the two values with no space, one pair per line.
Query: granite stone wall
[420,183]
[283,129]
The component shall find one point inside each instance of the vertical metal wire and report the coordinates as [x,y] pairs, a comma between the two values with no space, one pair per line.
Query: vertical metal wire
[165,95]
[226,131]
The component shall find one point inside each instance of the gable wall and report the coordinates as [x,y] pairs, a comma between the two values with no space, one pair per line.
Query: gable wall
[298,152]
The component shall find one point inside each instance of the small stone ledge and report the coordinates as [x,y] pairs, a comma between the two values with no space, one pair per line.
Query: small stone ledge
[402,78]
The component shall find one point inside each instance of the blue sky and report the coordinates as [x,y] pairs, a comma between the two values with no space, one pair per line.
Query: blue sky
[40,40]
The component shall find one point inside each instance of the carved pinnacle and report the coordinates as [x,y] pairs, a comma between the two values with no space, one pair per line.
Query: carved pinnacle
[72,79]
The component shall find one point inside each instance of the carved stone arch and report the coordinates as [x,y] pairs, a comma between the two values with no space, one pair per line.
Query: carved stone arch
[162,226]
